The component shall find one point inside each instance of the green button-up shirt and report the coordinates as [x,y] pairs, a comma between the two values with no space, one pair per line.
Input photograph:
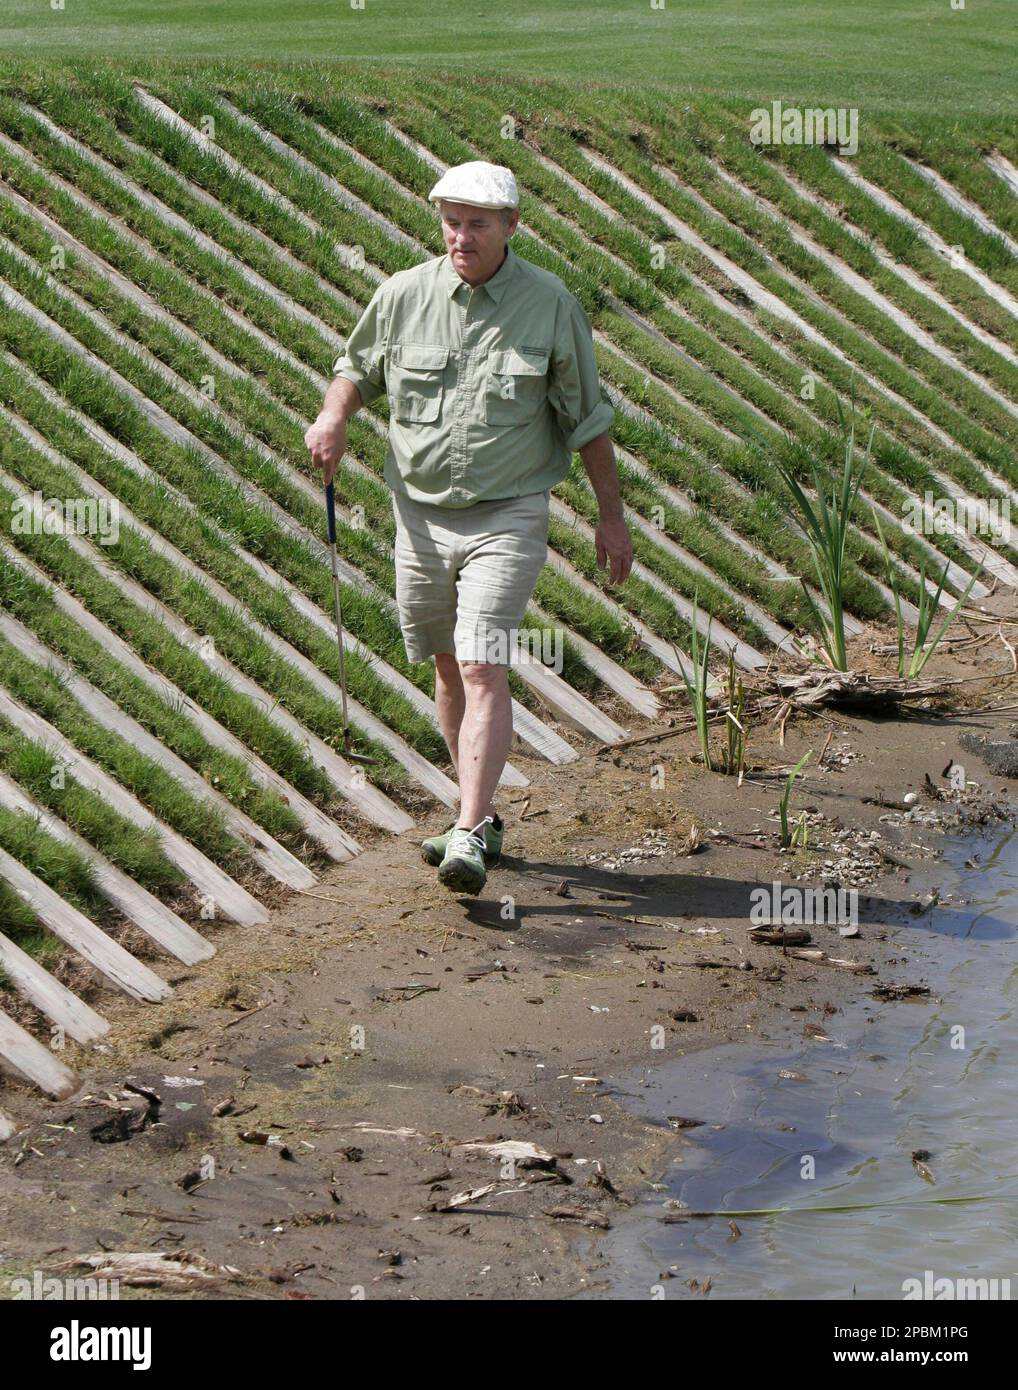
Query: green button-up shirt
[490,389]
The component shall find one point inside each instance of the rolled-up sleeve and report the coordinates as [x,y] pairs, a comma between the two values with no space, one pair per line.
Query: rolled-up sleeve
[575,388]
[363,361]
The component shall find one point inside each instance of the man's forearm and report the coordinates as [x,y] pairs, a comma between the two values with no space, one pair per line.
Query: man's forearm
[599,460]
[342,400]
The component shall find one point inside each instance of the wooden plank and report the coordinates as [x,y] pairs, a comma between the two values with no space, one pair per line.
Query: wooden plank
[617,679]
[541,738]
[754,291]
[75,930]
[319,826]
[421,151]
[229,897]
[137,904]
[325,290]
[345,778]
[271,856]
[778,634]
[27,1056]
[656,534]
[49,996]
[649,328]
[935,241]
[369,165]
[679,499]
[369,799]
[903,321]
[742,401]
[567,704]
[339,298]
[805,288]
[139,297]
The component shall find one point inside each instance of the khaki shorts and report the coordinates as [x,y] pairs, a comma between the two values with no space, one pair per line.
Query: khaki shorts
[465,575]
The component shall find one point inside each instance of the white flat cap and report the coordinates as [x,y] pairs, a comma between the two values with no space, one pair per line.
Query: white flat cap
[478,183]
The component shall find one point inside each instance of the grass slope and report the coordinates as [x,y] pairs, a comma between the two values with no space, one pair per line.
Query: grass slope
[699,367]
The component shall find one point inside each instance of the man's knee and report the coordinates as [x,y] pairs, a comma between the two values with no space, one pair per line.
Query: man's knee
[483,675]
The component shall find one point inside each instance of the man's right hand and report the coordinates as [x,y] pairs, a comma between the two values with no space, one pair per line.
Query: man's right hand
[326,439]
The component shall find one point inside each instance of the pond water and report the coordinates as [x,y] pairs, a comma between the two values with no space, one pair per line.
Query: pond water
[894,1078]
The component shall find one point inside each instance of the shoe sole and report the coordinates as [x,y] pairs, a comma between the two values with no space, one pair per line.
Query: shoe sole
[434,857]
[457,875]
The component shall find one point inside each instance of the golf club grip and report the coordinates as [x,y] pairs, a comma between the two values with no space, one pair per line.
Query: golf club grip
[330,511]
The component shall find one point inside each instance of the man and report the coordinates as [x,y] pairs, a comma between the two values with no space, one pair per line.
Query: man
[488,363]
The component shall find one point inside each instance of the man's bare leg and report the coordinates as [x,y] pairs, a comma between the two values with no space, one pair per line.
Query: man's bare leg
[475,714]
[450,702]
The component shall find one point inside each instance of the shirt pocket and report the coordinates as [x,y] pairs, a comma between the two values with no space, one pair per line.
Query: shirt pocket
[516,385]
[416,379]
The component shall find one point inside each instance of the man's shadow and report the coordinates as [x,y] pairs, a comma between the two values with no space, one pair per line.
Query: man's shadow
[596,902]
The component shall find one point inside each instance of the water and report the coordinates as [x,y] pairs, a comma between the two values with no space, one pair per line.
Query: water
[888,1082]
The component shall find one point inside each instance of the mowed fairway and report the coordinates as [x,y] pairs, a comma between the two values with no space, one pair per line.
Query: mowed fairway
[918,55]
[183,252]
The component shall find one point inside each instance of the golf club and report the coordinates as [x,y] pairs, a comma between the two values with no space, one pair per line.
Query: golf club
[330,511]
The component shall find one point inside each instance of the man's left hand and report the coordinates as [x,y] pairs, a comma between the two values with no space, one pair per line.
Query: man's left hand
[615,548]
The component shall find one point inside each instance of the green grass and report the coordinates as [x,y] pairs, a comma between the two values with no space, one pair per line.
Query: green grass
[350,119]
[63,868]
[42,691]
[136,852]
[851,323]
[846,54]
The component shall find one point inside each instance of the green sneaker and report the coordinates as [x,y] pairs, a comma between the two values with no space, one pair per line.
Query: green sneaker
[433,850]
[462,870]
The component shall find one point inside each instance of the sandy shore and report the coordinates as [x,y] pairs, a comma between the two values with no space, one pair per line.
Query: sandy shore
[379,1025]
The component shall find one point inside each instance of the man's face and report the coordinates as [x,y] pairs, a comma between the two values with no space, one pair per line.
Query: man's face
[475,239]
